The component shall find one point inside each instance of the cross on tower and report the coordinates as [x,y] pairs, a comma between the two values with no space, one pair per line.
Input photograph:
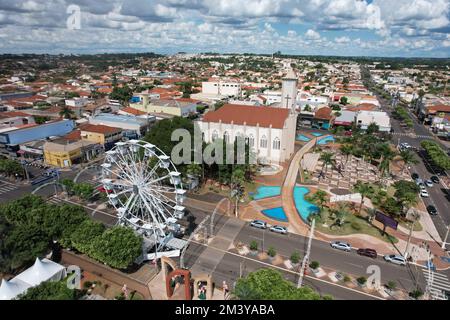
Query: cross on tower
[287,101]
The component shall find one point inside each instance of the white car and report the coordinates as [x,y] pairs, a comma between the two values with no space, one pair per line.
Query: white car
[429,183]
[279,229]
[258,224]
[396,259]
[341,245]
[424,193]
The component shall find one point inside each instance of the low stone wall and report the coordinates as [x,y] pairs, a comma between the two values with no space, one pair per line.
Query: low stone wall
[105,272]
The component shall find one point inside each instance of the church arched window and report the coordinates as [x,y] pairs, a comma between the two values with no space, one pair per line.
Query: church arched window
[263,142]
[276,144]
[215,135]
[226,137]
[251,141]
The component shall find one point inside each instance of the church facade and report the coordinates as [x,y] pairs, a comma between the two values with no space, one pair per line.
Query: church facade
[270,132]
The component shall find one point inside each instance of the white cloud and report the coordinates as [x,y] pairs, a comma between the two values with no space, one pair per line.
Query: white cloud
[312,35]
[343,39]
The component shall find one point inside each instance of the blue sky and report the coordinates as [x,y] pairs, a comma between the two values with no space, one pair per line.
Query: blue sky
[327,27]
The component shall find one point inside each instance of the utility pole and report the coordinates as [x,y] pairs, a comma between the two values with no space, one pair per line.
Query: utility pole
[308,252]
[444,243]
[415,216]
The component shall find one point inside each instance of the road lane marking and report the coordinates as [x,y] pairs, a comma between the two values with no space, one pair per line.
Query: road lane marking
[290,271]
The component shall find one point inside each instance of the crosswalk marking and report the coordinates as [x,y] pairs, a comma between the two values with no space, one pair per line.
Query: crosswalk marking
[412,135]
[440,283]
[7,188]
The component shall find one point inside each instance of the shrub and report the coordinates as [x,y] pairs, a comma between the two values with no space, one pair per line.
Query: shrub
[356,226]
[253,245]
[295,257]
[391,285]
[87,284]
[346,278]
[361,281]
[314,265]
[416,293]
[271,252]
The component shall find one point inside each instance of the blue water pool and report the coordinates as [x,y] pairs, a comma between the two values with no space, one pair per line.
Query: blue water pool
[301,137]
[326,140]
[276,214]
[317,134]
[266,192]
[304,207]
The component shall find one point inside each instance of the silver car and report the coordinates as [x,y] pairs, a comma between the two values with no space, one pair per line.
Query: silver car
[340,245]
[279,229]
[258,224]
[395,259]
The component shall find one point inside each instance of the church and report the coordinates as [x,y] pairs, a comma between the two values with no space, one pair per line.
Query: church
[269,131]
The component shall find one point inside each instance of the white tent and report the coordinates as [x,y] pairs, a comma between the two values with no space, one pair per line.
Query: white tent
[45,270]
[12,288]
[42,270]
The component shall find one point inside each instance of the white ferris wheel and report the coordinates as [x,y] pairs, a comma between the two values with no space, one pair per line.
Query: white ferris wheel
[146,191]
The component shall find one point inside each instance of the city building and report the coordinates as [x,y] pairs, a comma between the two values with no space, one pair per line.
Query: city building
[65,153]
[269,131]
[174,107]
[380,118]
[132,126]
[14,136]
[103,135]
[15,119]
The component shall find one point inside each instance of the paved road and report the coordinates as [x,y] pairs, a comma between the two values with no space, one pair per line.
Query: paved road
[438,193]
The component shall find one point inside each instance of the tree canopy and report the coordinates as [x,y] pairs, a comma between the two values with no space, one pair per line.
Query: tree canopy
[50,290]
[269,284]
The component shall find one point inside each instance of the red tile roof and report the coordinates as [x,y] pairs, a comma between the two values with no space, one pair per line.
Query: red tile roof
[438,108]
[73,136]
[99,128]
[10,114]
[323,113]
[363,107]
[133,111]
[251,115]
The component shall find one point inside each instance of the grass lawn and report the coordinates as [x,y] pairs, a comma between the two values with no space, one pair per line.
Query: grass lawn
[407,225]
[225,190]
[353,225]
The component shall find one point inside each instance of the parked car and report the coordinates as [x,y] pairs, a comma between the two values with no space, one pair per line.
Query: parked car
[428,183]
[424,193]
[279,229]
[367,252]
[432,210]
[415,176]
[341,245]
[395,259]
[419,181]
[435,179]
[259,224]
[103,190]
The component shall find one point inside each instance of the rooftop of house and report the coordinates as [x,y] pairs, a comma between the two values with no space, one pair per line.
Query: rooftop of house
[99,128]
[249,115]
[323,113]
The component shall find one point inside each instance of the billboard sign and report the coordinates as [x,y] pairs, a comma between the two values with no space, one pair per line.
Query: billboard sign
[386,220]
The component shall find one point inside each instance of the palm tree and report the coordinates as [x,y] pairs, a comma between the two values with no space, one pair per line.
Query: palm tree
[327,158]
[364,189]
[346,150]
[408,158]
[237,186]
[66,113]
[341,213]
[387,155]
[321,197]
[371,212]
[194,170]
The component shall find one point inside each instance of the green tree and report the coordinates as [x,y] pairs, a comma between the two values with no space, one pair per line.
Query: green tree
[118,247]
[327,159]
[364,189]
[50,290]
[83,190]
[85,235]
[344,100]
[320,197]
[269,284]
[346,150]
[66,112]
[372,128]
[408,158]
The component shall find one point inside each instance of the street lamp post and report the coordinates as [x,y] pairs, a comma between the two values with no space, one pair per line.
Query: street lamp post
[444,243]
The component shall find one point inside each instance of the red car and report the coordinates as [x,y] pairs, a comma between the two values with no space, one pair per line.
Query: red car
[371,253]
[102,189]
[347,133]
